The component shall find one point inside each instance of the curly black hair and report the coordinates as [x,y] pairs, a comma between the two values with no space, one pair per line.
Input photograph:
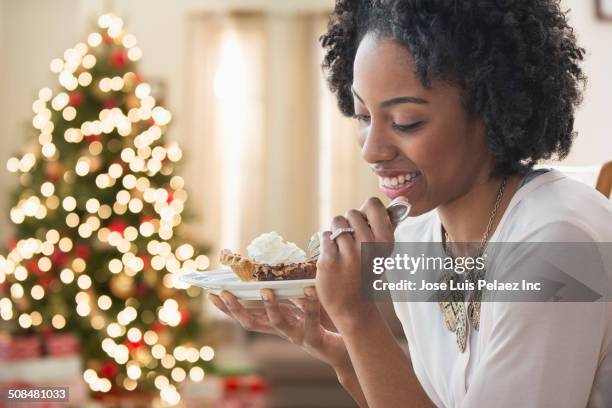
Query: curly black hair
[516,62]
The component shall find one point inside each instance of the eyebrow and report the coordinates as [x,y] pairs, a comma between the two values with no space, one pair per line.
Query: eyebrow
[394,101]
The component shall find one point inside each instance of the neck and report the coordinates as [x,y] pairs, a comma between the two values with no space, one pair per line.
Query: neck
[465,218]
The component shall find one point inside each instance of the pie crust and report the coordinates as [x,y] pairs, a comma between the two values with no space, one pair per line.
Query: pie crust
[248,270]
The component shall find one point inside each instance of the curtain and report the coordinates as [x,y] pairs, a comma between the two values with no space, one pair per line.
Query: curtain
[345,179]
[268,149]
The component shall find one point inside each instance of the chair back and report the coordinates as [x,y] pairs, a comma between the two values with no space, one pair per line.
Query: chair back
[604,180]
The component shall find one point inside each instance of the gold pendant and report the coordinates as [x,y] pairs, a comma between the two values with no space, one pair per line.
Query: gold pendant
[456,321]
[449,315]
[474,314]
[454,313]
[461,328]
[473,308]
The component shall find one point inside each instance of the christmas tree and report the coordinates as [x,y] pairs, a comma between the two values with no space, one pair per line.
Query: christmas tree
[97,217]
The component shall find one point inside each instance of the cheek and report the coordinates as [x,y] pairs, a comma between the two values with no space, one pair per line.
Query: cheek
[440,155]
[434,151]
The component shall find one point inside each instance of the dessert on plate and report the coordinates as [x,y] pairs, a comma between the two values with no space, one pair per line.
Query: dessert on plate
[269,257]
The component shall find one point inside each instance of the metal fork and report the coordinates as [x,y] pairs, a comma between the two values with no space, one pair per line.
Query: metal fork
[398,210]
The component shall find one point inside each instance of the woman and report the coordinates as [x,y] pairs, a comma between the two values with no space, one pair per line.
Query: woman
[455,101]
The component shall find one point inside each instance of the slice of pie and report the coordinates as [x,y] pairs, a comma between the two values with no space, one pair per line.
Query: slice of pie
[270,257]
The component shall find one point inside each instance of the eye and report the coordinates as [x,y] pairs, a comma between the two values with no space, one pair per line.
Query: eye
[406,128]
[362,118]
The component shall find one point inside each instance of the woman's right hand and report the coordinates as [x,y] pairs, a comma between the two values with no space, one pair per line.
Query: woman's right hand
[304,323]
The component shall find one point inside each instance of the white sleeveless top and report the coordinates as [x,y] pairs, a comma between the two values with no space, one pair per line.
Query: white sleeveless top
[525,354]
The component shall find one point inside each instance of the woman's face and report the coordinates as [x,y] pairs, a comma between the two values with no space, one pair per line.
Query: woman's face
[419,141]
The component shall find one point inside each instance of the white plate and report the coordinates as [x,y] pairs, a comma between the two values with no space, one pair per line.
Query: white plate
[216,280]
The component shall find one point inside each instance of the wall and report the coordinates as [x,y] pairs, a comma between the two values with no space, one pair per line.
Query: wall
[594,143]
[32,32]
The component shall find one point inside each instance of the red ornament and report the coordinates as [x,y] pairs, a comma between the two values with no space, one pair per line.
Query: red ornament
[118,225]
[82,251]
[59,258]
[107,38]
[46,330]
[133,344]
[231,383]
[119,59]
[146,260]
[45,280]
[185,317]
[76,98]
[32,266]
[109,369]
[170,197]
[110,103]
[157,326]
[52,171]
[141,289]
[92,138]
[11,244]
[256,383]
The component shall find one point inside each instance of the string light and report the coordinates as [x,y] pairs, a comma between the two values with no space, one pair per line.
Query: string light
[85,78]
[207,353]
[196,374]
[142,155]
[66,276]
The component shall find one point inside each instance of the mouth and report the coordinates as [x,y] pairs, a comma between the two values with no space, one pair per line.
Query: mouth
[398,185]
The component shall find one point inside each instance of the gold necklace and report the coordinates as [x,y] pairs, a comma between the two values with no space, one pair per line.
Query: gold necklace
[451,302]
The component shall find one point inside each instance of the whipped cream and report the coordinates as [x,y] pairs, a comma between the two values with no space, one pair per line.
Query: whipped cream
[271,249]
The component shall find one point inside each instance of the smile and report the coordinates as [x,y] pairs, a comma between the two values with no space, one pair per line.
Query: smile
[400,185]
[397,181]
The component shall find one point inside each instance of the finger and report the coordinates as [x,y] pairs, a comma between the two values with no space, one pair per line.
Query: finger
[256,313]
[216,300]
[299,302]
[345,241]
[358,221]
[292,313]
[238,311]
[260,315]
[312,322]
[378,217]
[329,248]
[326,321]
[275,316]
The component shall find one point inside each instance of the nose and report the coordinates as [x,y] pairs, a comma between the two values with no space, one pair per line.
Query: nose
[377,146]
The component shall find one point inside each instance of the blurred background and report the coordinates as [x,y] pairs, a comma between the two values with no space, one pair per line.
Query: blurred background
[262,148]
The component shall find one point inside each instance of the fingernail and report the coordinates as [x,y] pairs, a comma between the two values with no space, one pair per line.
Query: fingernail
[265,295]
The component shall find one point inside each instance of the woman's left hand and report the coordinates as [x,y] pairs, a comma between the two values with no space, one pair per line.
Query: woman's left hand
[339,282]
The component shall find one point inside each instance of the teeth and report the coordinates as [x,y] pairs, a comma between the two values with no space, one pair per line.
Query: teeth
[397,181]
